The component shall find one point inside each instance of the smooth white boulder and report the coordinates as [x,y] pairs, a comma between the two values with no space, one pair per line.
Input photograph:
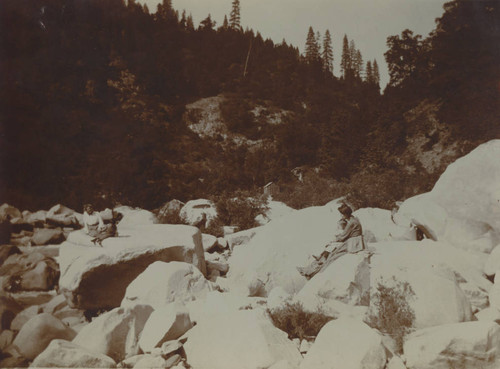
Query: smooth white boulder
[271,257]
[134,217]
[162,283]
[221,303]
[378,222]
[469,187]
[275,209]
[195,212]
[165,324]
[346,343]
[97,277]
[36,334]
[462,345]
[65,354]
[243,339]
[423,209]
[431,269]
[115,333]
[347,280]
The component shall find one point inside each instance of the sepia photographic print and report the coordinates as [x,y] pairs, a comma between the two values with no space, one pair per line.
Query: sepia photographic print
[250,184]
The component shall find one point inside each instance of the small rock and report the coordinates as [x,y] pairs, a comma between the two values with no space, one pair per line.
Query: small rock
[131,361]
[149,361]
[6,251]
[9,210]
[46,236]
[209,242]
[23,317]
[8,311]
[222,242]
[6,338]
[173,360]
[57,303]
[64,354]
[305,345]
[170,347]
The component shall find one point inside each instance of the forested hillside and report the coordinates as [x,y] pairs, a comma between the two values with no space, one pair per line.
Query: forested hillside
[93,97]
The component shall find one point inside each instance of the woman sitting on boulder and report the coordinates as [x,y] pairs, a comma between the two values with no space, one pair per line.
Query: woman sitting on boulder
[94,226]
[351,238]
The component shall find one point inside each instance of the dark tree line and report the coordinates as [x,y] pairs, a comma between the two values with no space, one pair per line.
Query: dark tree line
[93,100]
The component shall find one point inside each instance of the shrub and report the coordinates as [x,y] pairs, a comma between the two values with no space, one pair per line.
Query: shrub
[297,322]
[240,210]
[313,191]
[390,312]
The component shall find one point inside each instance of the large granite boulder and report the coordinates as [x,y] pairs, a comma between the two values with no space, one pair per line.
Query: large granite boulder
[461,345]
[162,283]
[462,208]
[169,213]
[165,324]
[115,333]
[199,213]
[378,223]
[347,343]
[244,339]
[38,332]
[347,280]
[271,257]
[134,217]
[435,272]
[97,277]
[65,354]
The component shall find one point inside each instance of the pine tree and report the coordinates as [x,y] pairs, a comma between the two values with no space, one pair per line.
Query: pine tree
[358,67]
[369,72]
[318,43]
[207,24]
[376,75]
[183,19]
[166,12]
[345,62]
[190,23]
[225,25]
[328,52]
[312,52]
[352,55]
[234,17]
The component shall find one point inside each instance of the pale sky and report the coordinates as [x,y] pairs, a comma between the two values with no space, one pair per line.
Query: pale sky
[367,22]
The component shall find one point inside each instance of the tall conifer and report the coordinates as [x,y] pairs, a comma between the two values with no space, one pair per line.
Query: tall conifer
[345,62]
[312,48]
[376,75]
[234,17]
[327,52]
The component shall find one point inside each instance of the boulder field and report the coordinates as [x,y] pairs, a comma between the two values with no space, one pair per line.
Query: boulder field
[166,296]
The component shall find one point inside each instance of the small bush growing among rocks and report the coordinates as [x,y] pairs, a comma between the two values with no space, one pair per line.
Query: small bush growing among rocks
[297,322]
[390,312]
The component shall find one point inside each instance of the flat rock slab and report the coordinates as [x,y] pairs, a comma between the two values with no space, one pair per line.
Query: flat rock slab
[97,277]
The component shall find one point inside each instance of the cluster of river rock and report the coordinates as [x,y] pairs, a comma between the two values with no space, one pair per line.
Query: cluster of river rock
[168,296]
